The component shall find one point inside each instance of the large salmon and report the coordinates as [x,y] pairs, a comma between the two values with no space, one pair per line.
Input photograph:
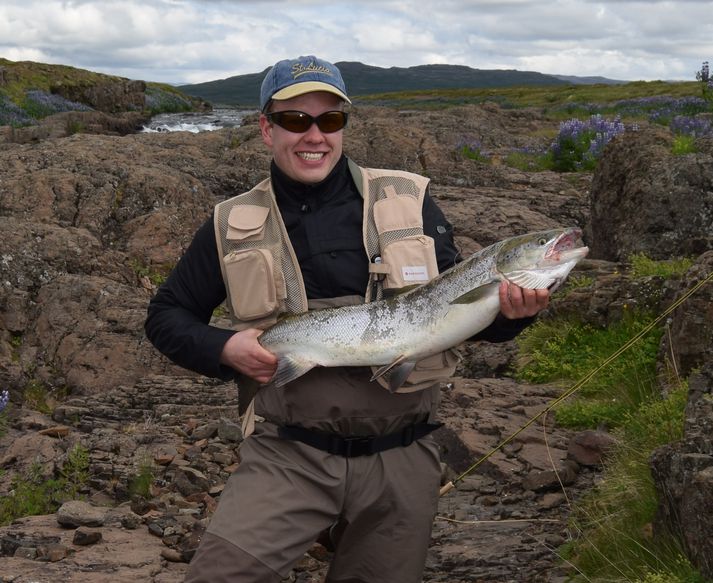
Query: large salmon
[396,332]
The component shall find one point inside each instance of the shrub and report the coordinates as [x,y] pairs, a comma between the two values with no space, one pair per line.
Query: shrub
[580,144]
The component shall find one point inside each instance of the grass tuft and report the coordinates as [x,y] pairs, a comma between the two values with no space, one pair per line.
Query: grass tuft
[33,494]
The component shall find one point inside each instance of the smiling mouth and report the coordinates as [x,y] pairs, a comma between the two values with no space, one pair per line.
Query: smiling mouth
[311,156]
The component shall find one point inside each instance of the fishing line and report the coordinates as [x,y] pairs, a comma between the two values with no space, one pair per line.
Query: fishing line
[578,385]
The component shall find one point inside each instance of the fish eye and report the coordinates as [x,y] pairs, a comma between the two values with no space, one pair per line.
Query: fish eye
[542,241]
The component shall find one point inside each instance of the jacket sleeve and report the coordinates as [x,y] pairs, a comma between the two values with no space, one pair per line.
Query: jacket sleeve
[436,225]
[178,316]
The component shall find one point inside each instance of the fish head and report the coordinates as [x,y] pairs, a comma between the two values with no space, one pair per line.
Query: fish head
[540,260]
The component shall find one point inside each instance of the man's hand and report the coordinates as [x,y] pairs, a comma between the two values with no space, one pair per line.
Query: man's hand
[517,302]
[245,354]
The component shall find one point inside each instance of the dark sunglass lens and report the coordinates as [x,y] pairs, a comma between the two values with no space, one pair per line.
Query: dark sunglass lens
[331,121]
[292,121]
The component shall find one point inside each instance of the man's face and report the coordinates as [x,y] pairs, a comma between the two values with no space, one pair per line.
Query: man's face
[310,156]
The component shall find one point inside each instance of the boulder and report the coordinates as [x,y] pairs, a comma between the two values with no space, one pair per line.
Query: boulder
[683,475]
[688,342]
[646,200]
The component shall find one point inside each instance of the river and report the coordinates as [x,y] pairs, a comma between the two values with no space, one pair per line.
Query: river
[194,122]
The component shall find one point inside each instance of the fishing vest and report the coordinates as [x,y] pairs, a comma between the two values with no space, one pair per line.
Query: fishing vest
[262,275]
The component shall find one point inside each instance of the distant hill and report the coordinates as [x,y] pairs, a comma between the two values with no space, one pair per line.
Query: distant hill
[573,80]
[360,79]
[31,91]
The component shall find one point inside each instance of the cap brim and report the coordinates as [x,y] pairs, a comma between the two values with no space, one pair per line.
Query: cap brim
[308,87]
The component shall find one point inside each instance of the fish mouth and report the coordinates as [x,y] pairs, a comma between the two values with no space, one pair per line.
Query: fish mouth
[567,247]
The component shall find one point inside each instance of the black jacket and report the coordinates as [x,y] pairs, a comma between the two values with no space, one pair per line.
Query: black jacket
[324,223]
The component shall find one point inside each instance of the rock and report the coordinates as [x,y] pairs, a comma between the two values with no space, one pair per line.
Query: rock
[75,513]
[589,448]
[553,500]
[683,475]
[229,431]
[545,480]
[84,537]
[53,553]
[56,431]
[172,555]
[646,200]
[688,343]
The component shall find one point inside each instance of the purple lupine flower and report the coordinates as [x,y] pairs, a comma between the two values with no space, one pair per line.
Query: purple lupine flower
[471,148]
[579,144]
[4,399]
[691,126]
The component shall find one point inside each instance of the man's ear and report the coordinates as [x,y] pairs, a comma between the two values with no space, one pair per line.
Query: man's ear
[266,130]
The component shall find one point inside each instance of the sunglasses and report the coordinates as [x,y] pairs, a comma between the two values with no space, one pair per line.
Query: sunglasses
[299,122]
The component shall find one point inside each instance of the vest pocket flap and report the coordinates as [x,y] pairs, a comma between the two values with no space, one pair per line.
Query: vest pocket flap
[397,213]
[247,222]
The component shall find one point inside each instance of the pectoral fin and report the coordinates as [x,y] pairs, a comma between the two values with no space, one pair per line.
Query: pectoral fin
[530,280]
[288,369]
[398,371]
[477,293]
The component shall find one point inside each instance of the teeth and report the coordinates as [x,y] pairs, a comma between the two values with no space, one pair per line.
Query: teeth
[310,155]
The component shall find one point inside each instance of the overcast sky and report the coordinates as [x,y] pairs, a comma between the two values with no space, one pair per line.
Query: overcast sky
[191,41]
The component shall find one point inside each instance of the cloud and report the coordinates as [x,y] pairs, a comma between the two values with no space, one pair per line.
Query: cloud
[202,40]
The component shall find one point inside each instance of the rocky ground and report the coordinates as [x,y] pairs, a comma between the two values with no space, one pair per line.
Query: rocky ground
[503,523]
[89,223]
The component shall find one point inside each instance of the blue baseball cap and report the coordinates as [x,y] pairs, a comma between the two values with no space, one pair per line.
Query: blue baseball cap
[293,77]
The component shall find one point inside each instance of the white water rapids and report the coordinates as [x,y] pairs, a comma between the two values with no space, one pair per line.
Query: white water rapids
[194,122]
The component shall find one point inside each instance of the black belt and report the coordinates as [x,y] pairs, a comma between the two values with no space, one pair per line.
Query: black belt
[356,445]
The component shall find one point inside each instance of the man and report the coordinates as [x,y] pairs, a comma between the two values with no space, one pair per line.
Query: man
[332,450]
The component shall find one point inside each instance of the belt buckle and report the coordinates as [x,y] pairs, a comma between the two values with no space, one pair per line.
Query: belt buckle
[357,446]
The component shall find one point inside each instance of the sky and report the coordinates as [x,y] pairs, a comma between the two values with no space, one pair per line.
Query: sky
[192,41]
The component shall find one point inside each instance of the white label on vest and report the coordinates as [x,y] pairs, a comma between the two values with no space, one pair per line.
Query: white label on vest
[414,273]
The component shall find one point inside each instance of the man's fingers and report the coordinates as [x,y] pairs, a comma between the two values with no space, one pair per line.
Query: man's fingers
[517,302]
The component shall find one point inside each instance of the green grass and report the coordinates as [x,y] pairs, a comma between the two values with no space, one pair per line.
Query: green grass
[612,523]
[552,98]
[612,538]
[563,352]
[643,266]
[140,484]
[32,494]
[683,144]
[155,275]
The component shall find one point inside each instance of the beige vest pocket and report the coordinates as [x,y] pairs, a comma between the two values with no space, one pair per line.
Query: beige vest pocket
[412,261]
[397,213]
[251,281]
[247,223]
